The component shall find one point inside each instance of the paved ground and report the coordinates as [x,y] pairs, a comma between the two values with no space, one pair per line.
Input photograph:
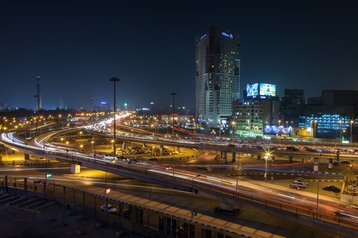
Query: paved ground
[55,221]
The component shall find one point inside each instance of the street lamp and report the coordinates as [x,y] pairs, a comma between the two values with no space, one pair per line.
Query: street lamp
[92,143]
[351,132]
[340,129]
[267,157]
[114,80]
[173,110]
[192,194]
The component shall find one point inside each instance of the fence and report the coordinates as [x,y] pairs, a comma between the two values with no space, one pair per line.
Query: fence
[140,220]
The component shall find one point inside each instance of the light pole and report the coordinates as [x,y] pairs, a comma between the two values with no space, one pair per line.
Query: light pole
[92,143]
[317,197]
[340,130]
[351,132]
[267,157]
[238,168]
[192,195]
[114,80]
[173,110]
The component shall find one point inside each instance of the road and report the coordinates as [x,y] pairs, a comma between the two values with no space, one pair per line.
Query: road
[221,187]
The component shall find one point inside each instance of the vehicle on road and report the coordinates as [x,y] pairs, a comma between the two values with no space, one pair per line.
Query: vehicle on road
[298,185]
[109,208]
[345,214]
[298,180]
[345,162]
[110,157]
[332,189]
[232,212]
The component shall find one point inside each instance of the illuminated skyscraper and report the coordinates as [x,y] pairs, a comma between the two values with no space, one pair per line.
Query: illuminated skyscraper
[217,78]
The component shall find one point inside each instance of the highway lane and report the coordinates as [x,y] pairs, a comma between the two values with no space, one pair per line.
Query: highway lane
[208,183]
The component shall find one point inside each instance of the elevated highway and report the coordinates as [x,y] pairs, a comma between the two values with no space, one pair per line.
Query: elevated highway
[225,191]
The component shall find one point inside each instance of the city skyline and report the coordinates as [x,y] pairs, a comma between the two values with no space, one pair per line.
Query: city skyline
[83,44]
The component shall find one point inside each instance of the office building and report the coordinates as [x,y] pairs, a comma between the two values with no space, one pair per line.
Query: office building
[258,108]
[217,78]
[291,106]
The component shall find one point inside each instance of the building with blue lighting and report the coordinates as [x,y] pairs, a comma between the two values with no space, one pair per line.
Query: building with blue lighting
[332,115]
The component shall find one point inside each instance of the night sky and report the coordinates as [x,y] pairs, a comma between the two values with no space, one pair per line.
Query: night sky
[76,46]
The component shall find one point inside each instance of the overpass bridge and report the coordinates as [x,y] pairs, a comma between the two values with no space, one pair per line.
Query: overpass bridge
[225,191]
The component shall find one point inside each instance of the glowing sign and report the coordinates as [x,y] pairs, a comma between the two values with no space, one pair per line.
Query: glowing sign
[228,35]
[280,130]
[267,89]
[252,90]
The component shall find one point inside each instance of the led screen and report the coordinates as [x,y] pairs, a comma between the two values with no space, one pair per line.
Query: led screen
[252,90]
[267,89]
[273,130]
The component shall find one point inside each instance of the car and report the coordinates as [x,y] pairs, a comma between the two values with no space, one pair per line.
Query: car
[298,180]
[109,208]
[332,189]
[232,212]
[298,185]
[345,162]
[110,157]
[345,214]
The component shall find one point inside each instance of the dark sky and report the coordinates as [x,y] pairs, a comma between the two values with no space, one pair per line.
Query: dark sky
[76,46]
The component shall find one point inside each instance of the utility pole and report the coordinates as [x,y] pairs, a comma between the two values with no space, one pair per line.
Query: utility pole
[173,110]
[114,80]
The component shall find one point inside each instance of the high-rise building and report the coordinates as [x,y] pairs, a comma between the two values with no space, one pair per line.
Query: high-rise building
[291,106]
[217,78]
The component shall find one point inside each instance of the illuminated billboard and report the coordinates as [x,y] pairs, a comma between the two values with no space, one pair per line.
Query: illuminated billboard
[277,130]
[267,89]
[252,89]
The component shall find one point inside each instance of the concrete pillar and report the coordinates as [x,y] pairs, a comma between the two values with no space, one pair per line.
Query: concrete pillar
[75,168]
[330,163]
[123,145]
[177,149]
[315,164]
[161,150]
[26,156]
[225,156]
[233,156]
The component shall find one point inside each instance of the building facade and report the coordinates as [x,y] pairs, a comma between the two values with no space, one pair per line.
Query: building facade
[291,106]
[334,114]
[217,62]
[258,108]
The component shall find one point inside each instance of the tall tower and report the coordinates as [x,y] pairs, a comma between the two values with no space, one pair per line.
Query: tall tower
[217,62]
[38,101]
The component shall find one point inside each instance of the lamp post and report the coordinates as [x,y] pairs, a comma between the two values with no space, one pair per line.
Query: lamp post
[92,143]
[238,168]
[351,132]
[173,110]
[233,124]
[114,80]
[317,197]
[266,157]
[192,194]
[340,129]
